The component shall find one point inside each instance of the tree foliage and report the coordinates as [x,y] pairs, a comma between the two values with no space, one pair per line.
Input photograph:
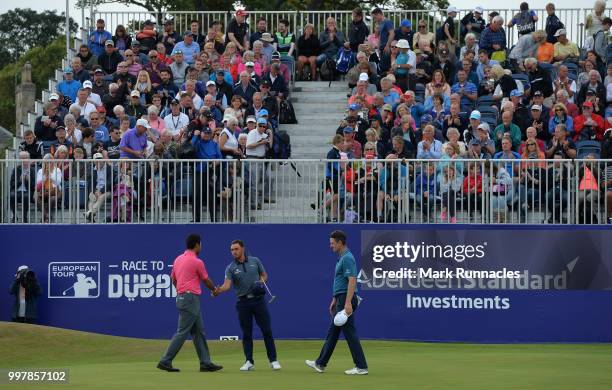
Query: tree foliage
[44,61]
[22,29]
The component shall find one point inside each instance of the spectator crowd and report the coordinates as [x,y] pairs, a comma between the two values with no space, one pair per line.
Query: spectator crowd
[454,92]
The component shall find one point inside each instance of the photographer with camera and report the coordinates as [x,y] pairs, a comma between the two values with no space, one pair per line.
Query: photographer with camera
[26,290]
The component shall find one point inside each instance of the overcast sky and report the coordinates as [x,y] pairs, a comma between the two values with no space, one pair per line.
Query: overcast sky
[60,6]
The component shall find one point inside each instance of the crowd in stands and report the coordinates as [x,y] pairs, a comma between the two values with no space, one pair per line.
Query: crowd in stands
[454,92]
[460,92]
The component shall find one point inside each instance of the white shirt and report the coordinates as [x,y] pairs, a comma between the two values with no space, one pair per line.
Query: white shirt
[197,100]
[174,124]
[232,141]
[56,177]
[95,99]
[86,109]
[253,137]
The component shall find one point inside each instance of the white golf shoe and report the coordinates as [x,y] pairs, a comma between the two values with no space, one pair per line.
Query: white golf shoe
[247,366]
[356,371]
[275,365]
[312,364]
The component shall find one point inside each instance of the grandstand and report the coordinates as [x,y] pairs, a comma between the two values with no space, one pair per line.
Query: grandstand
[422,135]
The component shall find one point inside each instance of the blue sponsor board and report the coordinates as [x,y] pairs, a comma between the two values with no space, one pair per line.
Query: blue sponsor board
[115,280]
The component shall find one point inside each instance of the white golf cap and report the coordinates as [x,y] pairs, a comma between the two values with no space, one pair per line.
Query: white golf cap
[210,82]
[135,93]
[560,31]
[98,156]
[452,8]
[478,9]
[54,96]
[87,84]
[143,122]
[228,117]
[22,267]
[403,44]
[363,77]
[249,63]
[340,318]
[251,119]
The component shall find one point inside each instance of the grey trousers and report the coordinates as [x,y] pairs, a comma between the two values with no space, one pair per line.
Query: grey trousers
[189,323]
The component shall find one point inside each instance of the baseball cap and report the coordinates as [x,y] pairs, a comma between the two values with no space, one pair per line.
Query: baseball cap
[249,63]
[87,84]
[98,70]
[354,107]
[590,92]
[560,31]
[406,23]
[474,141]
[109,42]
[53,96]
[387,107]
[426,118]
[264,83]
[101,109]
[21,268]
[536,107]
[188,33]
[537,93]
[340,318]
[475,115]
[68,70]
[484,126]
[228,117]
[98,156]
[207,130]
[210,82]
[135,43]
[174,101]
[149,22]
[263,112]
[363,77]
[134,93]
[587,104]
[143,122]
[478,10]
[242,12]
[177,52]
[221,72]
[516,93]
[169,22]
[452,8]
[251,119]
[262,121]
[348,129]
[276,55]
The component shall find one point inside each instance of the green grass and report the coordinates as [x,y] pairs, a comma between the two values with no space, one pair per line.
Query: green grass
[105,362]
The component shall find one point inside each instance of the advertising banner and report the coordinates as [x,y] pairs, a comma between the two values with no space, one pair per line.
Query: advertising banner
[432,283]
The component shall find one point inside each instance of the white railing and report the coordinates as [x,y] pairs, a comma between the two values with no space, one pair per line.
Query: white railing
[307,191]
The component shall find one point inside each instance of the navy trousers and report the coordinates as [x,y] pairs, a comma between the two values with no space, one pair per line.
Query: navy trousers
[258,309]
[350,334]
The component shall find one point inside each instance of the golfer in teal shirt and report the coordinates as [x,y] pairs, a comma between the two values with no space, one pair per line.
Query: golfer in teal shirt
[345,298]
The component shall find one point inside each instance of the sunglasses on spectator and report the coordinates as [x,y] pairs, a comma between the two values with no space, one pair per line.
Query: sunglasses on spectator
[152,56]
[422,26]
[367,149]
[263,126]
[393,47]
[531,144]
[558,109]
[129,55]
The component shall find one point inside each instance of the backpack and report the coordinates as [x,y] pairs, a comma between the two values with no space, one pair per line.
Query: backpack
[328,70]
[281,149]
[344,61]
[286,113]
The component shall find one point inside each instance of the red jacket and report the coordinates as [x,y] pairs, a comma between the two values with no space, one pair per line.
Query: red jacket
[579,125]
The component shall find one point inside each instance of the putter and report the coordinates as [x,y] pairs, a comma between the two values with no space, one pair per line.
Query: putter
[272,297]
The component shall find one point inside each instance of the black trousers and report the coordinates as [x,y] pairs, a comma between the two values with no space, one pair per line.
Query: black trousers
[350,334]
[204,194]
[258,309]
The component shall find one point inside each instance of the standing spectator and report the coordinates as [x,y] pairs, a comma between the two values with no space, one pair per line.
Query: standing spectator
[69,86]
[450,185]
[473,22]
[26,290]
[309,48]
[404,65]
[359,31]
[121,40]
[238,31]
[601,39]
[205,185]
[525,20]
[97,38]
[284,41]
[553,24]
[447,31]
[49,187]
[387,31]
[134,142]
[170,37]
[594,20]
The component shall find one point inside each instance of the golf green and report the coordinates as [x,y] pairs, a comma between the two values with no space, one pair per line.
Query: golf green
[104,362]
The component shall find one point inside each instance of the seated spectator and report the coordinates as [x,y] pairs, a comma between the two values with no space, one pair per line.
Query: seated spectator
[178,68]
[244,88]
[133,107]
[504,83]
[561,116]
[506,153]
[530,149]
[561,144]
[61,140]
[88,58]
[583,77]
[154,68]
[539,78]
[471,45]
[79,72]
[438,84]
[121,40]
[349,136]
[248,61]
[509,129]
[49,184]
[69,86]
[169,37]
[375,144]
[278,86]
[261,28]
[466,89]
[484,61]
[539,123]
[597,89]
[546,50]
[188,47]
[162,54]
[122,76]
[588,126]
[564,49]
[237,111]
[493,39]
[46,124]
[387,60]
[331,40]
[454,135]
[429,148]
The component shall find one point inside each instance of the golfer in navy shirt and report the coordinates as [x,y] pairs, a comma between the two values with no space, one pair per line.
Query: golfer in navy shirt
[345,298]
[247,274]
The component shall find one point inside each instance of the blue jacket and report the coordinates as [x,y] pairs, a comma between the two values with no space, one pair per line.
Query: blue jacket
[426,183]
[69,88]
[96,41]
[489,37]
[101,134]
[205,150]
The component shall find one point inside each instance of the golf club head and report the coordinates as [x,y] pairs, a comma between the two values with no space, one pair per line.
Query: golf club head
[272,299]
